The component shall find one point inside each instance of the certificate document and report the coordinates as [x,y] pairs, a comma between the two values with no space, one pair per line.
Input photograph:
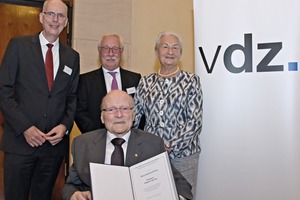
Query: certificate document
[151,179]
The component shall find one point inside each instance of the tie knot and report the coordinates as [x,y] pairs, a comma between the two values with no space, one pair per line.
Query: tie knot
[117,141]
[49,46]
[113,74]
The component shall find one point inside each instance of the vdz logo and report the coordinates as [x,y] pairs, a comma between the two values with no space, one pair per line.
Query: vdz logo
[247,49]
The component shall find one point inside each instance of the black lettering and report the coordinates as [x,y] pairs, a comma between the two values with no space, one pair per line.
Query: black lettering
[264,66]
[209,69]
[247,51]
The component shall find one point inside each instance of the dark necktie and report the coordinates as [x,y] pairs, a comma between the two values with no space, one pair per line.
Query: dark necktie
[117,157]
[49,66]
[114,84]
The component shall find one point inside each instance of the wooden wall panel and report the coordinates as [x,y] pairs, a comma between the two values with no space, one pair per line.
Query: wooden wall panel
[17,21]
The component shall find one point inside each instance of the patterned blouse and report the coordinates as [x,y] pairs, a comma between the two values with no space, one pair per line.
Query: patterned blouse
[173,110]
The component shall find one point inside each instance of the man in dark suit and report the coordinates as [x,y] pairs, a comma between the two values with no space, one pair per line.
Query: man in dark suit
[37,113]
[94,85]
[96,146]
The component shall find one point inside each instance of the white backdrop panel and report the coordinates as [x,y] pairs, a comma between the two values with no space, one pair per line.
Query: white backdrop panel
[251,131]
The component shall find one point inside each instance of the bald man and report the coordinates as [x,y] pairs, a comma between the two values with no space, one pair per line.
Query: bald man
[117,115]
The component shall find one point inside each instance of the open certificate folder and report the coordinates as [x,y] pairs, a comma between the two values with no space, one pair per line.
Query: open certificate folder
[151,179]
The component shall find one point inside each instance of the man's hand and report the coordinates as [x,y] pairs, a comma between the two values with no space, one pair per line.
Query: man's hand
[56,134]
[34,136]
[86,195]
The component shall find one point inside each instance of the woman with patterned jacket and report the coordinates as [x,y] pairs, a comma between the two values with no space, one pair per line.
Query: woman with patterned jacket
[171,100]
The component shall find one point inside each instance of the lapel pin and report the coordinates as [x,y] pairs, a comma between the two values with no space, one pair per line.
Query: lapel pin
[136,155]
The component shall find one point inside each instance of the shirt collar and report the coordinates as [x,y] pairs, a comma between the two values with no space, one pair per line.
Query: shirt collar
[111,136]
[44,41]
[106,71]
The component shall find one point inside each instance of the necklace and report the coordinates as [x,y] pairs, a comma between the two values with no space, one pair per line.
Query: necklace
[167,75]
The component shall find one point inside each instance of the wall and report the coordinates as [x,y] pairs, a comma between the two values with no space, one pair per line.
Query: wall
[93,18]
[139,22]
[150,18]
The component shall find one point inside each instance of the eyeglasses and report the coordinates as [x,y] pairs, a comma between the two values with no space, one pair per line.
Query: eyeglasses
[106,49]
[52,15]
[175,48]
[112,110]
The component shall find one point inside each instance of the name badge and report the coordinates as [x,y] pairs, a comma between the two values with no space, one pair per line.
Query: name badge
[131,90]
[68,70]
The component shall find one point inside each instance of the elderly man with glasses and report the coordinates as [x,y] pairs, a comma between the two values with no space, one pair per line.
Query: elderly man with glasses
[94,85]
[98,147]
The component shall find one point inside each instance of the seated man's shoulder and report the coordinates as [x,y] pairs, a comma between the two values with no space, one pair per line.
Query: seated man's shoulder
[91,135]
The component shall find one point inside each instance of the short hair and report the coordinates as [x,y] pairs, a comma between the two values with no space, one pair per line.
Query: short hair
[121,92]
[48,1]
[160,35]
[114,35]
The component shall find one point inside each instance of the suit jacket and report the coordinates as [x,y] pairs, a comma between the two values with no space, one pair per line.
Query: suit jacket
[25,100]
[90,147]
[91,90]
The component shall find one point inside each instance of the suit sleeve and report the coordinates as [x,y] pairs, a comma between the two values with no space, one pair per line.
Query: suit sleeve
[73,182]
[69,116]
[12,112]
[83,119]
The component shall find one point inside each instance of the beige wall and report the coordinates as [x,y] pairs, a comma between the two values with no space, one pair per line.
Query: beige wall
[150,18]
[93,18]
[139,22]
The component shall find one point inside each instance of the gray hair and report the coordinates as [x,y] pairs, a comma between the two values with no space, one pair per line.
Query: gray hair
[114,35]
[159,37]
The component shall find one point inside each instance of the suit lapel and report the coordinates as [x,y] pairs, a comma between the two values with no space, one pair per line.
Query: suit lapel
[99,146]
[94,154]
[134,149]
[124,79]
[39,62]
[62,62]
[100,80]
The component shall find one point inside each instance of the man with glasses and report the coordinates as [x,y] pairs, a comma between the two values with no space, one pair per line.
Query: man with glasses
[97,146]
[38,83]
[94,85]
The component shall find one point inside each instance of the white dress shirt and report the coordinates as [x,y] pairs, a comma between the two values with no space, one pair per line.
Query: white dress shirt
[110,147]
[55,52]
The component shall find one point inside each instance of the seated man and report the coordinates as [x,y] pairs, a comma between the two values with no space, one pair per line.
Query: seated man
[96,146]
